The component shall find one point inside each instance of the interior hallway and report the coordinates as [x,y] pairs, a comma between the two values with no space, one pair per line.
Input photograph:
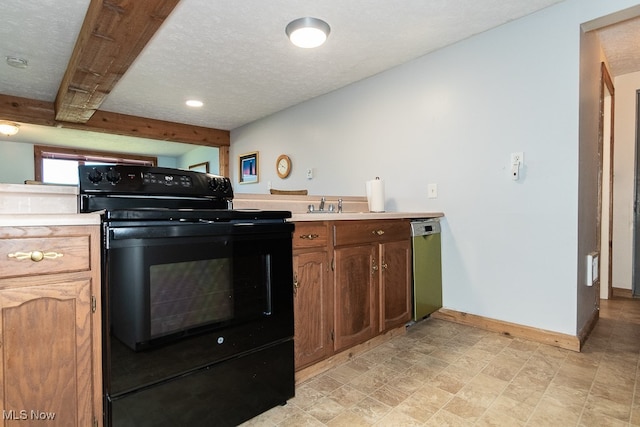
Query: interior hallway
[445,374]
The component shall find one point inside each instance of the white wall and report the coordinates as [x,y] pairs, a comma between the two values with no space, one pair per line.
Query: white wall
[624,169]
[452,118]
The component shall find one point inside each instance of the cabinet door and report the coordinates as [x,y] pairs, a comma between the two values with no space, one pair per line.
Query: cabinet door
[356,295]
[46,353]
[395,284]
[312,308]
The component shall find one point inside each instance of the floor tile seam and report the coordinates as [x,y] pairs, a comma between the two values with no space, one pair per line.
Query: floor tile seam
[404,400]
[467,383]
[381,403]
[598,368]
[342,411]
[304,411]
[535,407]
[635,392]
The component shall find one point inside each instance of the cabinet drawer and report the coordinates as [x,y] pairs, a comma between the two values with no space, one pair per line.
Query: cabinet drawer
[310,235]
[43,255]
[357,232]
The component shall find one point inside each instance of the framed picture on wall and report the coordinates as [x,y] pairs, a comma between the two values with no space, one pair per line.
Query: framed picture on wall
[200,167]
[248,167]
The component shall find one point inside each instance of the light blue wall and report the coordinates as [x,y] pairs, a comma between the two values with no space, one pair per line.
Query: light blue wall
[510,249]
[199,155]
[16,162]
[167,162]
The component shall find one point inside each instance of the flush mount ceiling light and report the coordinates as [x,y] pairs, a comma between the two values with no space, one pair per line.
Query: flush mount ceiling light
[194,103]
[9,128]
[16,62]
[308,32]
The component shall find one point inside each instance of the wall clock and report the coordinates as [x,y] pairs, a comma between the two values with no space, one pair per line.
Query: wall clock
[283,166]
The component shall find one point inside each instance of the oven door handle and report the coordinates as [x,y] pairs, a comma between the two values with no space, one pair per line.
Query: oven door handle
[204,230]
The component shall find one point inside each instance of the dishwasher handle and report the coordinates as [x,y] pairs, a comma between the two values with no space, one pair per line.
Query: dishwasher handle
[425,227]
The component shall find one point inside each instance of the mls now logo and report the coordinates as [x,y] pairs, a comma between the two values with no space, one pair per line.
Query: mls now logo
[27,415]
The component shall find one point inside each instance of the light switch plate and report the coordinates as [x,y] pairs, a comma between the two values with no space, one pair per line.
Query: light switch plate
[432,191]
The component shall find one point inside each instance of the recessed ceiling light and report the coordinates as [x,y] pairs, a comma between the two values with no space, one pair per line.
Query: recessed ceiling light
[194,103]
[16,62]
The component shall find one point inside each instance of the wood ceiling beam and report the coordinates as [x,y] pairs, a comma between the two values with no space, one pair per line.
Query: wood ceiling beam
[36,112]
[113,34]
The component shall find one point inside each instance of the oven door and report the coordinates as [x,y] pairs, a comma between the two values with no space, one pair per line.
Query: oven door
[184,296]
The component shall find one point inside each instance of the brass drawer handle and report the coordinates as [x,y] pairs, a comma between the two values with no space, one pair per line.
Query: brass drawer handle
[309,236]
[35,256]
[378,232]
[296,284]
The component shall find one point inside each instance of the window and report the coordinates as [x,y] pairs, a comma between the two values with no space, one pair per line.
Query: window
[57,165]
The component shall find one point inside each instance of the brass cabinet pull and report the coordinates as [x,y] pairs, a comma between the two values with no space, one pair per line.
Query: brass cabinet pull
[296,284]
[378,232]
[35,256]
[374,267]
[384,266]
[309,236]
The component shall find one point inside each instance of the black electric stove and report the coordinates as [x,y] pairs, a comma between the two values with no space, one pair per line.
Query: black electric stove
[197,298]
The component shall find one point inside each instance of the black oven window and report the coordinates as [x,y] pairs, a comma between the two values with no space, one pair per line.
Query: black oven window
[187,294]
[191,294]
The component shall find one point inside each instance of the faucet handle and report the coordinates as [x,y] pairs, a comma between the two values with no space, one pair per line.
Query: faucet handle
[339,205]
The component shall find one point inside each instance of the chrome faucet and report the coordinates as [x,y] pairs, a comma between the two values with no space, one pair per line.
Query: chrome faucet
[339,205]
[321,207]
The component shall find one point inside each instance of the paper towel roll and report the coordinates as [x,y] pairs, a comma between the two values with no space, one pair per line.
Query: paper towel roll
[375,195]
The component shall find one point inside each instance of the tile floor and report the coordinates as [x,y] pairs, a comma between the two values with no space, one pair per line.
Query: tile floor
[444,374]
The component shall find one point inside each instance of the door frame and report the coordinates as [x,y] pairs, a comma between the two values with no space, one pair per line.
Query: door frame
[635,271]
[606,86]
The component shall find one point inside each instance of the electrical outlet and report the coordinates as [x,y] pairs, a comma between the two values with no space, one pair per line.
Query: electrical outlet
[309,173]
[517,158]
[432,191]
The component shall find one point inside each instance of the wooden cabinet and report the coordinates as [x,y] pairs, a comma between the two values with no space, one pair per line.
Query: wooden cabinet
[313,305]
[395,284]
[372,279]
[50,354]
[356,295]
[352,282]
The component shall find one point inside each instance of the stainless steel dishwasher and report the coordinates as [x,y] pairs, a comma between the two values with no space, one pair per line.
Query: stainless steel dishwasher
[427,267]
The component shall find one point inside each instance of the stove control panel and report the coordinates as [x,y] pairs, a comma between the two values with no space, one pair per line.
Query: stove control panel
[152,181]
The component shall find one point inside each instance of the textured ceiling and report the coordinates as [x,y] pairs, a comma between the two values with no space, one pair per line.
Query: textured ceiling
[620,45]
[234,55]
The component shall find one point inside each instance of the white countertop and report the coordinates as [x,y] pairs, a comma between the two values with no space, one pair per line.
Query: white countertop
[349,216]
[39,189]
[44,220]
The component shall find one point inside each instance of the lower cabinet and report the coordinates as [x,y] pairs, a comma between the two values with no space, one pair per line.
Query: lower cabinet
[395,284]
[366,292]
[356,309]
[50,350]
[312,293]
